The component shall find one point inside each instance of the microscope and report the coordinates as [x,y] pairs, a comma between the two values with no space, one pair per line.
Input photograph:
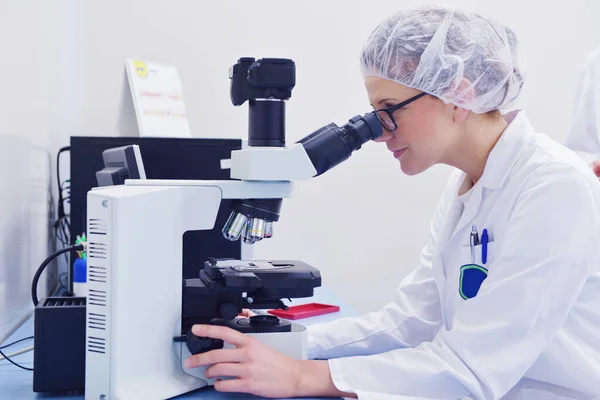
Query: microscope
[139,308]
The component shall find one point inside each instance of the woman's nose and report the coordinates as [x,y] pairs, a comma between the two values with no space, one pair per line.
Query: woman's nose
[387,135]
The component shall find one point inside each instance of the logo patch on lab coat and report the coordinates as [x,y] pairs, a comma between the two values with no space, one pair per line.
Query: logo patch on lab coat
[471,278]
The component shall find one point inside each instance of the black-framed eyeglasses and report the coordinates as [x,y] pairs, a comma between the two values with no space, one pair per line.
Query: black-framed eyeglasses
[386,115]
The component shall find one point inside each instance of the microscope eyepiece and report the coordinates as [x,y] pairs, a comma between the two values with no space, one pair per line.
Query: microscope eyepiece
[331,145]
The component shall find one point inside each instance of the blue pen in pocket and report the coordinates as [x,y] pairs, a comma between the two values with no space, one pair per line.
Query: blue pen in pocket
[472,275]
[484,245]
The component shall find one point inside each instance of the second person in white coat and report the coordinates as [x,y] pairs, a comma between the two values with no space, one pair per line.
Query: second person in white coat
[584,136]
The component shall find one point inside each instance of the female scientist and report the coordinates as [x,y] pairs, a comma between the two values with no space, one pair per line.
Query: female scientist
[505,302]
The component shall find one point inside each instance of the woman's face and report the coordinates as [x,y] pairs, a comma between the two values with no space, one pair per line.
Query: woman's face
[425,132]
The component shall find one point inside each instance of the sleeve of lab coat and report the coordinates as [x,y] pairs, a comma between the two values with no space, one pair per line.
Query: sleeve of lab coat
[547,253]
[413,317]
[584,136]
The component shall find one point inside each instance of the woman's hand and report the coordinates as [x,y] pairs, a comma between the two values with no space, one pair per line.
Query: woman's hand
[247,313]
[259,369]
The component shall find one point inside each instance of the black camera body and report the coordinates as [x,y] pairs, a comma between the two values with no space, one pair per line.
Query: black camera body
[267,78]
[267,83]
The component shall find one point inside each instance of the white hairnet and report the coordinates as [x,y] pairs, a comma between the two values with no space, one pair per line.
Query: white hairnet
[459,57]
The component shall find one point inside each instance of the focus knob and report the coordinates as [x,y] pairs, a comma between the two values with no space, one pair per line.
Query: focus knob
[228,311]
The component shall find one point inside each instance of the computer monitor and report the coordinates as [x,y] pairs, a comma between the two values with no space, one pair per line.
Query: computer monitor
[164,158]
[121,163]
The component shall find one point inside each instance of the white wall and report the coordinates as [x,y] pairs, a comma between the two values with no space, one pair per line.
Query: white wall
[38,111]
[363,223]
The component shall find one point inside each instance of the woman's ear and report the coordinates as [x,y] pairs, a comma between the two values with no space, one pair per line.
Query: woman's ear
[459,114]
[463,93]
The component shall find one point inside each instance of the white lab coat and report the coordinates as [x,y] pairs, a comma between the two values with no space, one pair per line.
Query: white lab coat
[533,329]
[584,136]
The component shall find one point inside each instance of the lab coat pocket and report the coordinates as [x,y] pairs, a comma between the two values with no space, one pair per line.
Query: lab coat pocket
[474,270]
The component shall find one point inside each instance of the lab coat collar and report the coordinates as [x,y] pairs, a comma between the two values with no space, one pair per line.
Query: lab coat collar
[504,154]
[498,166]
